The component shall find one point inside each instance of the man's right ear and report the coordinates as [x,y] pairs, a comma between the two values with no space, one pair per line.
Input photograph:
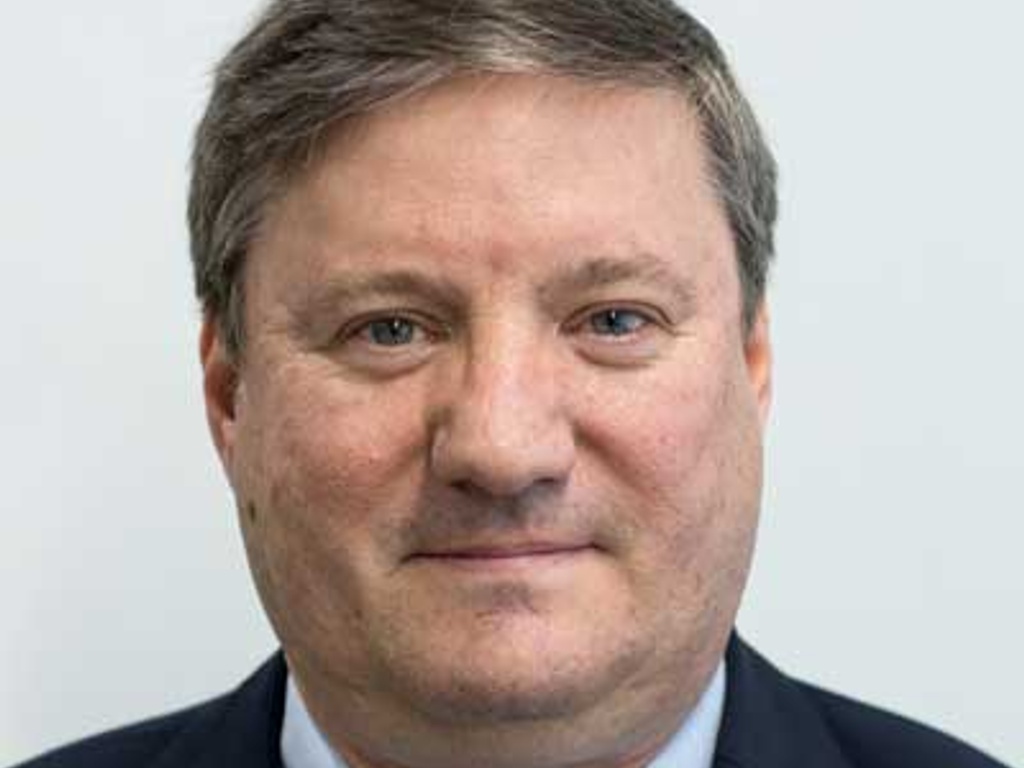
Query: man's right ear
[220,388]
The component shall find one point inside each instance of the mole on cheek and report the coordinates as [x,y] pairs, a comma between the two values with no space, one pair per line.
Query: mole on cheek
[251,513]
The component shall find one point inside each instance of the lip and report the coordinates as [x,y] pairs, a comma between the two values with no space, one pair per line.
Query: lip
[490,556]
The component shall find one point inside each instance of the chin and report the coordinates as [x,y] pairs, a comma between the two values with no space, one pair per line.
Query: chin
[520,674]
[497,697]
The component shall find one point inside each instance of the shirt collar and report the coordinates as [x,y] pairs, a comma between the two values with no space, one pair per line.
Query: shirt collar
[692,746]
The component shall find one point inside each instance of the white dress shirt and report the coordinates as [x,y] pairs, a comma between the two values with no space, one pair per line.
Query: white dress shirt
[692,746]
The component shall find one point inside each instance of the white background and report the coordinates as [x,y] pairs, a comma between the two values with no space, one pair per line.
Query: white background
[890,560]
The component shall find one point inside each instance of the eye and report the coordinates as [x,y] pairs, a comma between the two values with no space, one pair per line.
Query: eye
[621,335]
[390,331]
[617,322]
[387,343]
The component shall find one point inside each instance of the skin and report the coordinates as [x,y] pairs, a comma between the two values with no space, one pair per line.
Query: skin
[496,434]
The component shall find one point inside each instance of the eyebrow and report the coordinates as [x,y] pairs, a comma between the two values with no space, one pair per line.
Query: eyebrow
[604,271]
[589,275]
[352,287]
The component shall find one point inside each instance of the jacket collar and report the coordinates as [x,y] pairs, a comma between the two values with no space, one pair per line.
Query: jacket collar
[242,728]
[769,719]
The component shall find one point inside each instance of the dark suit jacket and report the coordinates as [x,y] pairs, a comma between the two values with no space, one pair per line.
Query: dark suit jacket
[770,721]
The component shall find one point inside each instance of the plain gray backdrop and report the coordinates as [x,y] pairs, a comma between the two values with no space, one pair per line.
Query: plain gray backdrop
[890,557]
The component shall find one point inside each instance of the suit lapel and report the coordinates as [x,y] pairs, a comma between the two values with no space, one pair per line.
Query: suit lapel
[769,720]
[241,729]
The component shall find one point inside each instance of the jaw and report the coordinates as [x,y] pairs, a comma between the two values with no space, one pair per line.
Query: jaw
[510,687]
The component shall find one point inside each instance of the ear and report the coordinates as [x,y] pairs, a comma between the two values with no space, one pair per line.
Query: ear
[758,353]
[220,389]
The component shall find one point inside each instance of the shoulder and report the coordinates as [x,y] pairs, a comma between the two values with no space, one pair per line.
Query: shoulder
[774,721]
[130,746]
[239,728]
[874,738]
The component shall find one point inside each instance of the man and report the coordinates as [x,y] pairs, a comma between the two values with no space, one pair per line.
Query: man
[487,362]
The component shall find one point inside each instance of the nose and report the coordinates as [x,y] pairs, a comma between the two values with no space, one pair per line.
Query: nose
[503,428]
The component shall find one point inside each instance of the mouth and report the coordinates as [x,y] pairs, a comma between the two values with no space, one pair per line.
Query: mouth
[504,556]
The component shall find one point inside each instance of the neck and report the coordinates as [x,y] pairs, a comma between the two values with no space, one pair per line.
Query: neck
[354,759]
[691,745]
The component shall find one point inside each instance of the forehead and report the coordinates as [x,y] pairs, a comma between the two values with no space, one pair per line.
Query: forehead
[507,172]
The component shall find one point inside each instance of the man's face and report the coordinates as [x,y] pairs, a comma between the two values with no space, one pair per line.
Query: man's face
[496,434]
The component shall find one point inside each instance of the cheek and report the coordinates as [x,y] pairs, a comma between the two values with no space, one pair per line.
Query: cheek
[654,433]
[681,449]
[325,440]
[692,459]
[331,475]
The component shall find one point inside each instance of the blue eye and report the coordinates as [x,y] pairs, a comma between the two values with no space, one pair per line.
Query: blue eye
[391,331]
[616,322]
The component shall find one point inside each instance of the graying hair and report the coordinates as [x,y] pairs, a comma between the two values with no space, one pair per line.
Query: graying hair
[307,64]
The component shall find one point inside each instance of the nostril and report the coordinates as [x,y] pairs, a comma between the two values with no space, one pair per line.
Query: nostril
[480,507]
[468,488]
[505,492]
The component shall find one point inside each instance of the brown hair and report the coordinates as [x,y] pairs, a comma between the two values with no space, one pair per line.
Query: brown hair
[307,64]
